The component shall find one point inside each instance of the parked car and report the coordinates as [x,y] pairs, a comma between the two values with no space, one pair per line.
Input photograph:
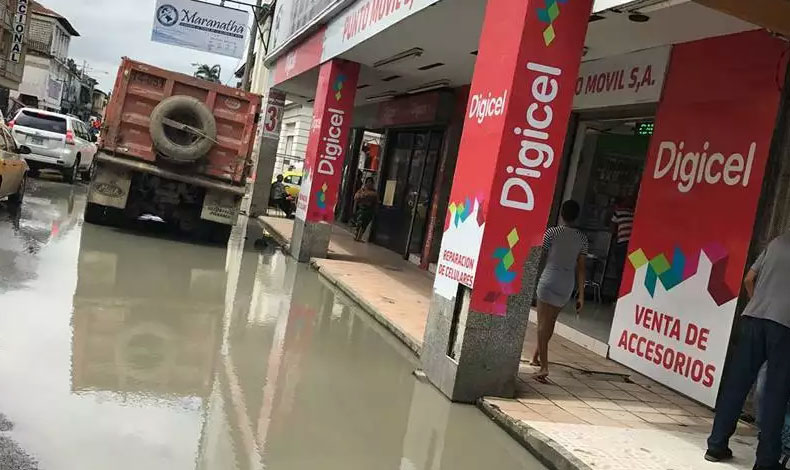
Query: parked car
[13,169]
[56,141]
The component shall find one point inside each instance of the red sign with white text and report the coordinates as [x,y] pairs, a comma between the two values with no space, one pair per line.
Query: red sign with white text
[300,58]
[696,210]
[326,145]
[517,118]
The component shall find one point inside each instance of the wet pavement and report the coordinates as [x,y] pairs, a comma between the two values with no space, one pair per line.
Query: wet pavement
[125,351]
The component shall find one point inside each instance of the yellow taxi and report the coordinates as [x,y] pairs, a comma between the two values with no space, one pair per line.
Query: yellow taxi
[292,179]
[13,169]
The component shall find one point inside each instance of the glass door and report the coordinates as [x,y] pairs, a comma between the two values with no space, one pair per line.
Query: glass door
[407,188]
[423,198]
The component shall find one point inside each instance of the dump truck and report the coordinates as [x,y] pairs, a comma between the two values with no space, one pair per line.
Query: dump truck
[173,147]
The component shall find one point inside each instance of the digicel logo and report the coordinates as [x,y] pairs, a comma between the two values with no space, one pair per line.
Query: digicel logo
[535,152]
[331,143]
[482,106]
[690,168]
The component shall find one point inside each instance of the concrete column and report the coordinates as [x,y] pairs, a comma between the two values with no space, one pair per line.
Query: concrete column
[266,152]
[326,151]
[516,120]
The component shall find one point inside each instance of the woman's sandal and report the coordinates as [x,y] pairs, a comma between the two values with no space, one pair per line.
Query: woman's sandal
[542,377]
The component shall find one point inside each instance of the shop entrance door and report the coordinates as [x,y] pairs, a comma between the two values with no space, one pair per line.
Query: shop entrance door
[407,186]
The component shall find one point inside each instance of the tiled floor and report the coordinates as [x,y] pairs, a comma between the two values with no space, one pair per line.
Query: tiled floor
[604,414]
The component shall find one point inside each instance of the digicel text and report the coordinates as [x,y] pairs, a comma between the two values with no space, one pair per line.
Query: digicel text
[331,143]
[535,152]
[695,167]
[483,106]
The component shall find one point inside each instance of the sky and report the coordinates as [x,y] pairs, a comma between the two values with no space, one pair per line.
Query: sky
[111,29]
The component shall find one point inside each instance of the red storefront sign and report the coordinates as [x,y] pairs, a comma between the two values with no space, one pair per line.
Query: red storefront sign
[414,109]
[519,105]
[696,211]
[326,145]
[300,58]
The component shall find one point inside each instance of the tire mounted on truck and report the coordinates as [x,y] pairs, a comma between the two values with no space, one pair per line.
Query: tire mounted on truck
[183,129]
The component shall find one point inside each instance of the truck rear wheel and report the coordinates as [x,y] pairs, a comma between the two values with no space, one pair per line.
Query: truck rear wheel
[102,215]
[213,232]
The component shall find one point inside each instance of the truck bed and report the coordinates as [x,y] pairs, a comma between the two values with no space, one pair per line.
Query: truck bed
[140,87]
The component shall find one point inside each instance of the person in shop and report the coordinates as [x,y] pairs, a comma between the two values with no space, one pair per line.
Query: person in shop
[622,224]
[365,202]
[565,248]
[280,197]
[764,338]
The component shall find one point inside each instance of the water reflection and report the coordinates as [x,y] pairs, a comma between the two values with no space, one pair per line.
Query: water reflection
[128,351]
[147,316]
[49,212]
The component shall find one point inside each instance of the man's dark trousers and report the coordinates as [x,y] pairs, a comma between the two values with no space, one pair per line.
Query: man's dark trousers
[759,341]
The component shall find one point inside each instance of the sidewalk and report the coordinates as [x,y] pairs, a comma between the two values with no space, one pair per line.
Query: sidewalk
[595,414]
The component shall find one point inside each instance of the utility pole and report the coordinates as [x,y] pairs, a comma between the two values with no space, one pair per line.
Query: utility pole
[246,80]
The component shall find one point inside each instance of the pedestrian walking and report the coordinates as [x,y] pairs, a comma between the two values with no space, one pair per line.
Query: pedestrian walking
[764,337]
[566,250]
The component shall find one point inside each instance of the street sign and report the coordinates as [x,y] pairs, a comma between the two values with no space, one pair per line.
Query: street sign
[201,26]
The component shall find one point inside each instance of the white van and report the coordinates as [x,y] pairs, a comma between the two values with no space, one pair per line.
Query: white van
[56,141]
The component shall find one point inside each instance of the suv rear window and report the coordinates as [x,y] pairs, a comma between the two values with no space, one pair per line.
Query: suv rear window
[41,122]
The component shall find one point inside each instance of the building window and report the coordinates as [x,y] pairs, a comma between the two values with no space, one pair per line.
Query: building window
[289,145]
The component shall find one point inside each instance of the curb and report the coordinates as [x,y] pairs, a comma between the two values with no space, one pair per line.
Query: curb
[278,237]
[410,342]
[546,450]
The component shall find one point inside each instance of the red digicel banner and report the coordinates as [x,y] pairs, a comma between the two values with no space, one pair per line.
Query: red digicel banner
[326,145]
[696,210]
[517,118]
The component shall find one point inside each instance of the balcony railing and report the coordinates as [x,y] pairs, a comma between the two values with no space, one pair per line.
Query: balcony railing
[39,46]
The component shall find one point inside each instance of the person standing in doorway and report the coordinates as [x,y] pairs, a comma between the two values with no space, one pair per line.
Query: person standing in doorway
[622,224]
[764,337]
[366,201]
[566,250]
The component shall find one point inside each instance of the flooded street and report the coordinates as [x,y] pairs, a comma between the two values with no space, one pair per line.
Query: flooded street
[125,351]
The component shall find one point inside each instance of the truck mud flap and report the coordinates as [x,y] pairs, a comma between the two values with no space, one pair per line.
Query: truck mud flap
[220,207]
[110,186]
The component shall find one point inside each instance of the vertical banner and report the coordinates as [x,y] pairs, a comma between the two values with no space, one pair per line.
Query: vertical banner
[696,211]
[19,35]
[326,145]
[516,121]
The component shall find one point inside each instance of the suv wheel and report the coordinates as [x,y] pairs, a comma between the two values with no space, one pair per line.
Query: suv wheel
[16,199]
[88,174]
[70,174]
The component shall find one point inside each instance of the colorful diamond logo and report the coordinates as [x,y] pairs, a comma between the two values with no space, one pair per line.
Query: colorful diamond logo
[549,15]
[506,259]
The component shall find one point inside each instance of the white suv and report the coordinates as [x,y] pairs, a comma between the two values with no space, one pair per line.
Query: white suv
[56,141]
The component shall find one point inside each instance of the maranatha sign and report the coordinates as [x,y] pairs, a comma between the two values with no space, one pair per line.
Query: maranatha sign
[201,26]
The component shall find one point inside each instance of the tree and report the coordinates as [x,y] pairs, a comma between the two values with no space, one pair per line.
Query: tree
[205,72]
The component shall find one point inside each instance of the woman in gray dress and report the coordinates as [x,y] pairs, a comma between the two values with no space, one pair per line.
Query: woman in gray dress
[565,248]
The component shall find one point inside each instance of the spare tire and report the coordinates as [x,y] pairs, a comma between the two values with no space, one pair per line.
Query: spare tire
[182,145]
